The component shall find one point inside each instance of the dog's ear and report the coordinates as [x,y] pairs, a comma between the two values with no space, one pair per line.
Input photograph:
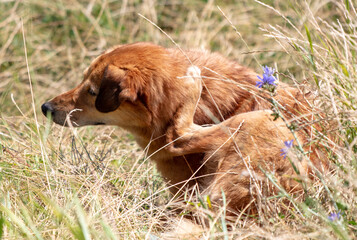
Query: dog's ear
[108,96]
[117,85]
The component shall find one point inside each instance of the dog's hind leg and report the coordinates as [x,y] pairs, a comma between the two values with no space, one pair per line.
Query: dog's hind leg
[183,136]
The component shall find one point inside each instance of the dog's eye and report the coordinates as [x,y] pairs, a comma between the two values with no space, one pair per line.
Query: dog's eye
[91,92]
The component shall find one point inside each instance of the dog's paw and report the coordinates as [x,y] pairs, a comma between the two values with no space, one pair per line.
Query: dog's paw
[193,71]
[194,77]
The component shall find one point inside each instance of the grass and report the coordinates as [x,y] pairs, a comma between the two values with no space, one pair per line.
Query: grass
[94,182]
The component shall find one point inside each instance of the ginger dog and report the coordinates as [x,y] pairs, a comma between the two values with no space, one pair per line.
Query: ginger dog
[140,87]
[238,151]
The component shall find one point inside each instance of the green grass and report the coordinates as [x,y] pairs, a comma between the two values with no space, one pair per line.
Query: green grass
[95,183]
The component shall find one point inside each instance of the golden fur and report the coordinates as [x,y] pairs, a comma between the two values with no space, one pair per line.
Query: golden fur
[141,87]
[237,152]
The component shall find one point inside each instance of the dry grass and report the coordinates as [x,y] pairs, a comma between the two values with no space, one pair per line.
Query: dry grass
[95,183]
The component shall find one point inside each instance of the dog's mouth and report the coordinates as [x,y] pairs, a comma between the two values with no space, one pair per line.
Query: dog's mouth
[99,123]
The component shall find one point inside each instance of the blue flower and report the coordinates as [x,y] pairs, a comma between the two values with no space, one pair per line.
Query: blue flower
[288,145]
[334,216]
[268,70]
[268,78]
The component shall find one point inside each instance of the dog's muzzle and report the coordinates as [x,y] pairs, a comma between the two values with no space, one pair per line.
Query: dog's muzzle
[47,109]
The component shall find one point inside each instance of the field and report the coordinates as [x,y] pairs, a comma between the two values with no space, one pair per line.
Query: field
[95,182]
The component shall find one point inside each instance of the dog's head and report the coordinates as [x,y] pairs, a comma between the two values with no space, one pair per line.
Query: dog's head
[118,88]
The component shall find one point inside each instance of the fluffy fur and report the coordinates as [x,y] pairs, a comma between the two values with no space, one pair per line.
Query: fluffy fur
[141,87]
[238,152]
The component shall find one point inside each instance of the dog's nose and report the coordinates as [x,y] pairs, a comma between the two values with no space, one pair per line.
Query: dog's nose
[47,108]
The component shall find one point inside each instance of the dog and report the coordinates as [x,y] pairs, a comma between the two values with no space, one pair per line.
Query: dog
[239,152]
[141,87]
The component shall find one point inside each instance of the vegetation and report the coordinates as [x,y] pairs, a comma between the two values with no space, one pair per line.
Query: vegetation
[94,182]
